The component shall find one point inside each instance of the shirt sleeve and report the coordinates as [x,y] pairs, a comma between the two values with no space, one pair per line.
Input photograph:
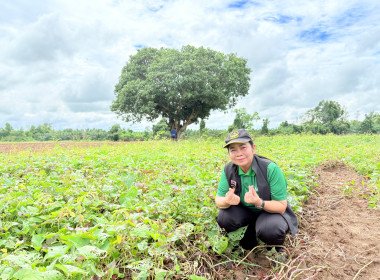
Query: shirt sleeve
[277,182]
[223,186]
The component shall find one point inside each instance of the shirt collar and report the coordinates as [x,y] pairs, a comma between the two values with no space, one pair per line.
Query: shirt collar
[249,173]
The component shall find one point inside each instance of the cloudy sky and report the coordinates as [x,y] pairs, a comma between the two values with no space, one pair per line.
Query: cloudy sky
[60,60]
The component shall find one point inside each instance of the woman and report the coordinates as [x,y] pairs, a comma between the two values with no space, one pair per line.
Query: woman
[252,192]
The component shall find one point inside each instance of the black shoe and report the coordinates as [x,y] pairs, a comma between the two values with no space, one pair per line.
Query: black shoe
[278,257]
[248,245]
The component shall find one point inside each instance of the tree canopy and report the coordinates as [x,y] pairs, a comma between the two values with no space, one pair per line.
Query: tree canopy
[181,86]
[326,112]
[371,123]
[328,116]
[243,119]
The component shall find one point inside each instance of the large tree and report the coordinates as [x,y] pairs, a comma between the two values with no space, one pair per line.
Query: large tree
[243,119]
[326,112]
[182,86]
[371,123]
[328,116]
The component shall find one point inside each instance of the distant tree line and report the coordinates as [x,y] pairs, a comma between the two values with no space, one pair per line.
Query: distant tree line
[331,117]
[45,132]
[327,117]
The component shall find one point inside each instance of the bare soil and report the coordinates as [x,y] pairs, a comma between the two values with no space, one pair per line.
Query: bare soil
[346,233]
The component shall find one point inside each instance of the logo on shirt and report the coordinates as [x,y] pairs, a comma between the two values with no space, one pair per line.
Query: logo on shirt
[233,184]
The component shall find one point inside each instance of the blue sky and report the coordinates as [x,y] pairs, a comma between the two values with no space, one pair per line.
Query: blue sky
[60,60]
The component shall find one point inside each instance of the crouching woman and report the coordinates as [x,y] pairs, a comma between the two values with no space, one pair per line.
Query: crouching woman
[252,192]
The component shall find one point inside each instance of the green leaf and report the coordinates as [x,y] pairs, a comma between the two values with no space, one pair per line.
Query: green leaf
[32,210]
[162,274]
[37,241]
[219,244]
[129,197]
[143,265]
[56,251]
[35,220]
[76,240]
[129,180]
[53,275]
[70,270]
[112,229]
[91,252]
[195,277]
[6,272]
[28,274]
[23,258]
[91,266]
[142,246]
[154,235]
[143,275]
[185,229]
[237,234]
[142,231]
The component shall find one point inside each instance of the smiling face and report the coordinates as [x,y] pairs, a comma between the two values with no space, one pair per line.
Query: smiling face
[242,154]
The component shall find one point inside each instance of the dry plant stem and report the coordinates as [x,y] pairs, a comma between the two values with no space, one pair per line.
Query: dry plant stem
[342,253]
[333,205]
[315,268]
[311,277]
[290,268]
[328,252]
[290,241]
[251,264]
[358,255]
[281,264]
[209,265]
[260,246]
[335,196]
[360,270]
[304,221]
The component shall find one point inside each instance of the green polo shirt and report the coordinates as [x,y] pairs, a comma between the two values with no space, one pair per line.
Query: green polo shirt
[276,180]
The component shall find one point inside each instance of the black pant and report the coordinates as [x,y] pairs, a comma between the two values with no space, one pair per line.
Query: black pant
[270,228]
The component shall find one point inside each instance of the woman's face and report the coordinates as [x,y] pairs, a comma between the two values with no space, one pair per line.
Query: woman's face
[242,154]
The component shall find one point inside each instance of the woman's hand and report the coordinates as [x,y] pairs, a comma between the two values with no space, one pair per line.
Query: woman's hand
[251,197]
[224,202]
[271,206]
[231,198]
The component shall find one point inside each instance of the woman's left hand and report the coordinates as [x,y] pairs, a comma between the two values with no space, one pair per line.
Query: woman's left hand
[251,197]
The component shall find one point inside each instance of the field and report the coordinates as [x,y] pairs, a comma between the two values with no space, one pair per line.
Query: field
[146,210]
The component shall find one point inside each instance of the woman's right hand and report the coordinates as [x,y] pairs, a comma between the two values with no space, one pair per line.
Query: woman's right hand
[231,198]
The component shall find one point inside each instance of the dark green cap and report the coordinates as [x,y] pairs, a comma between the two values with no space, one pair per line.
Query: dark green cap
[237,136]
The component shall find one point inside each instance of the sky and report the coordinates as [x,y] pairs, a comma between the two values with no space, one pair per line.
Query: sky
[60,60]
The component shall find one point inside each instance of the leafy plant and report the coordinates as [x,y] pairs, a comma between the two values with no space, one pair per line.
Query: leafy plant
[142,210]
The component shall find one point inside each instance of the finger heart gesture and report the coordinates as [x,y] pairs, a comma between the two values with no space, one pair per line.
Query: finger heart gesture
[232,198]
[251,197]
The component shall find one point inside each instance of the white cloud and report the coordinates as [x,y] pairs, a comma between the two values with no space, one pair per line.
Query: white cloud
[60,60]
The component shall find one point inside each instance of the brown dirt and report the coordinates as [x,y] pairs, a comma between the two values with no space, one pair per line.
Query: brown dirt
[346,234]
